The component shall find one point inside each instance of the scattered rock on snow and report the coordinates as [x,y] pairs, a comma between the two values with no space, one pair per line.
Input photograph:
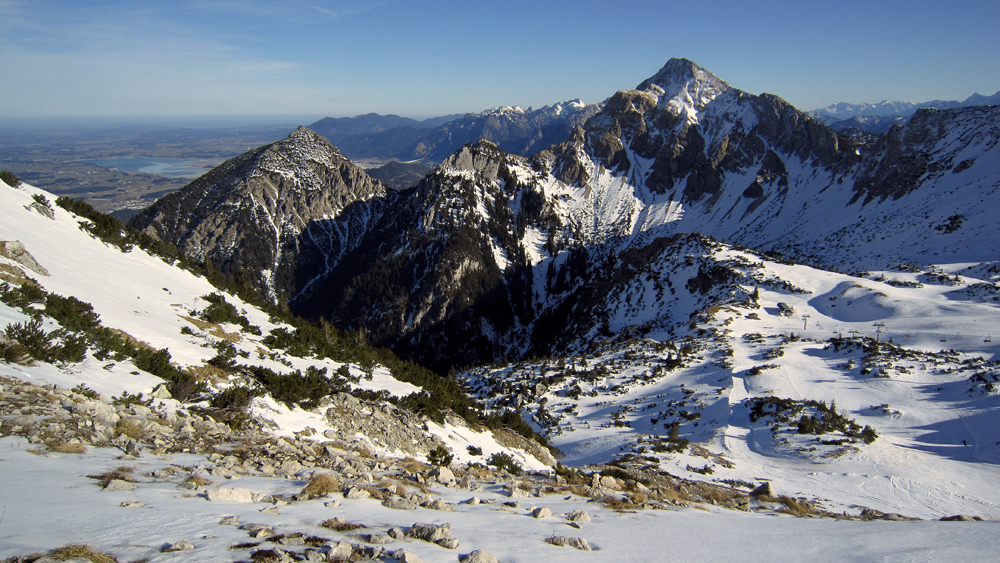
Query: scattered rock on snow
[609,482]
[342,550]
[437,504]
[871,514]
[366,552]
[355,493]
[404,556]
[237,494]
[182,545]
[566,541]
[448,543]
[399,504]
[119,485]
[542,512]
[429,532]
[478,556]
[578,516]
[764,490]
[516,492]
[442,475]
[161,392]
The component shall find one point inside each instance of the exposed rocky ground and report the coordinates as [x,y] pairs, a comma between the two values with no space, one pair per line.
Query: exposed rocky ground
[336,473]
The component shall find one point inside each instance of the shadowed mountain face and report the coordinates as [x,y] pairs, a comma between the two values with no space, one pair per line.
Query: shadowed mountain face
[246,216]
[495,255]
[399,175]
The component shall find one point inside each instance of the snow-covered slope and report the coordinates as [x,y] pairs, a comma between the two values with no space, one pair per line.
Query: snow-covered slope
[158,305]
[908,354]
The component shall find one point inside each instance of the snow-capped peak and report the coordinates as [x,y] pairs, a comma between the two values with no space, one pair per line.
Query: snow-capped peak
[686,83]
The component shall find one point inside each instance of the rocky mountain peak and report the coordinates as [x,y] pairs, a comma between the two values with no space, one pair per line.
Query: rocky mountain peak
[248,214]
[481,156]
[303,134]
[309,144]
[685,84]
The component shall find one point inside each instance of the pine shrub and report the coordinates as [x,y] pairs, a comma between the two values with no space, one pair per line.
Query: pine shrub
[505,462]
[10,179]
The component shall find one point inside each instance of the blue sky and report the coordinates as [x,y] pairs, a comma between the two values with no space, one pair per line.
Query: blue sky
[435,57]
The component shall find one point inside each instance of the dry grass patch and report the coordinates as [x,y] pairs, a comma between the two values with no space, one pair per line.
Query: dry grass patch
[311,541]
[376,492]
[618,504]
[667,494]
[795,507]
[413,466]
[578,490]
[480,472]
[638,497]
[265,556]
[700,451]
[320,486]
[199,480]
[79,550]
[245,545]
[206,372]
[66,447]
[129,427]
[213,329]
[122,473]
[338,524]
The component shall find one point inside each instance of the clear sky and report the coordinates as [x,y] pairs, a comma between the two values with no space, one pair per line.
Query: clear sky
[436,57]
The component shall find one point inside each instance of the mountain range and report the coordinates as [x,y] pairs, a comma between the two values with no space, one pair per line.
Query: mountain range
[880,117]
[514,129]
[843,110]
[494,254]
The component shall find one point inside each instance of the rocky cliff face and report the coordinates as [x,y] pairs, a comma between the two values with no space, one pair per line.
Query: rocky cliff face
[931,144]
[255,214]
[443,270]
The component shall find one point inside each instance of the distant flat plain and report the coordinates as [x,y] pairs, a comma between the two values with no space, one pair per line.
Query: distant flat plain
[123,166]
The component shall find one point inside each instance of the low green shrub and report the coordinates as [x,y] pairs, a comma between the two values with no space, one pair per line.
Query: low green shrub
[440,455]
[9,178]
[128,399]
[505,462]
